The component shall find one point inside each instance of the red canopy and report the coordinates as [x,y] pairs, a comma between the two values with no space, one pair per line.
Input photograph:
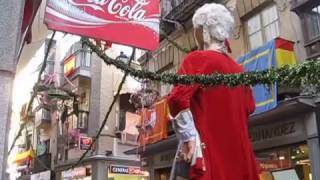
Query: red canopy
[30,10]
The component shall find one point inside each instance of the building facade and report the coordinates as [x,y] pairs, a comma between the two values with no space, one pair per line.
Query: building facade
[96,84]
[286,137]
[15,24]
[78,89]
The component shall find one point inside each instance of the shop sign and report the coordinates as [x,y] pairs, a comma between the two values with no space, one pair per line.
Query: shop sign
[66,174]
[122,22]
[276,134]
[126,170]
[79,172]
[119,170]
[278,130]
[270,132]
[85,142]
[75,173]
[135,171]
[41,176]
[266,165]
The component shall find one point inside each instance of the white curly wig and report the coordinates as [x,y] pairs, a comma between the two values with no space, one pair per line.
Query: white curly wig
[216,20]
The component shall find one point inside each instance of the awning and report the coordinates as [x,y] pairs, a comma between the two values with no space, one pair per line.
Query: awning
[30,10]
[24,156]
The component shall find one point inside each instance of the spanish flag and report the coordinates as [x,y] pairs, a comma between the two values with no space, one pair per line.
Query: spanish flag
[24,157]
[69,65]
[285,52]
[274,54]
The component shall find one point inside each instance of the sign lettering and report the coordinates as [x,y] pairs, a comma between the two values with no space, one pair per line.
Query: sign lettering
[119,21]
[85,142]
[269,133]
[126,170]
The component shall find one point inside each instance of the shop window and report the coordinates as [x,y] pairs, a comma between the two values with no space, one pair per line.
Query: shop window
[263,27]
[288,163]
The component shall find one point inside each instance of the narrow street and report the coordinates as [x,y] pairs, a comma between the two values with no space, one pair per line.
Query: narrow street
[160,89]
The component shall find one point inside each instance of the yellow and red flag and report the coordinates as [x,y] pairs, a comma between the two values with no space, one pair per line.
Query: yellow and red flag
[69,65]
[285,52]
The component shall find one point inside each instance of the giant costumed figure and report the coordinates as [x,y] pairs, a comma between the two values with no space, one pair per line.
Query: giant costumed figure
[212,122]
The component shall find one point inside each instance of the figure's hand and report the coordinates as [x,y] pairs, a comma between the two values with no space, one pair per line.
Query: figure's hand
[187,150]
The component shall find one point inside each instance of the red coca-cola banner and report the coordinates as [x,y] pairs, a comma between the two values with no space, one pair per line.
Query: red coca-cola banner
[129,22]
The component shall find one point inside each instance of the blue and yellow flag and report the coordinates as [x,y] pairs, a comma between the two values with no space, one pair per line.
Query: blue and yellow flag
[275,53]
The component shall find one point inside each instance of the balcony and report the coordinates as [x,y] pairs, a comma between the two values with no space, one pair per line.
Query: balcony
[182,10]
[43,118]
[42,163]
[77,64]
[130,139]
[300,5]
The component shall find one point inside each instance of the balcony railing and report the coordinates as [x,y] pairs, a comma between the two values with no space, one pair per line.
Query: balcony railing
[80,66]
[42,118]
[130,139]
[296,4]
[181,10]
[41,163]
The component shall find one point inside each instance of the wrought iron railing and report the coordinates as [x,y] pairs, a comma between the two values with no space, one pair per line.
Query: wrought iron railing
[42,116]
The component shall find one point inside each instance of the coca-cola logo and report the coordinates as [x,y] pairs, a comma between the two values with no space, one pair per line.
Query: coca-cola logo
[121,9]
[117,21]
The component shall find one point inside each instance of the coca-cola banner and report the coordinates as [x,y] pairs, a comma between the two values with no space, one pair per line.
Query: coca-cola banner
[129,22]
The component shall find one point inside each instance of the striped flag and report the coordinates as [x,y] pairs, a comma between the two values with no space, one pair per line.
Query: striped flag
[69,65]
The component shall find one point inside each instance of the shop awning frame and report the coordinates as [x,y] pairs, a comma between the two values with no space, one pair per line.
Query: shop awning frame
[108,159]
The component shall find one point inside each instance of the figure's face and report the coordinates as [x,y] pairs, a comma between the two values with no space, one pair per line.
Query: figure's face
[198,36]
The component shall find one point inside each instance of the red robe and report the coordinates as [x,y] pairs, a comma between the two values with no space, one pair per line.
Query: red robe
[221,118]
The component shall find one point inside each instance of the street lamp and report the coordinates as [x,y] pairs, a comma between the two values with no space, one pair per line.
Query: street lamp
[122,57]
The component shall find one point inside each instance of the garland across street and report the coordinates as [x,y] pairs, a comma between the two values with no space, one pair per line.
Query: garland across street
[306,73]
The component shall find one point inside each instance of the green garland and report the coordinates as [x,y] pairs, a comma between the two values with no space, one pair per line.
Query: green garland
[307,73]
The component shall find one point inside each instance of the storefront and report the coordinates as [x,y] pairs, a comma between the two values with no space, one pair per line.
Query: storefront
[285,140]
[101,167]
[117,172]
[46,175]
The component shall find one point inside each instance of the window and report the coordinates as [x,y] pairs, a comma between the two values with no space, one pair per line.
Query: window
[122,120]
[312,17]
[85,57]
[83,120]
[290,162]
[263,27]
[309,12]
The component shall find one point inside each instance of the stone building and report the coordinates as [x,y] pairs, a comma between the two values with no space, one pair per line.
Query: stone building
[59,142]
